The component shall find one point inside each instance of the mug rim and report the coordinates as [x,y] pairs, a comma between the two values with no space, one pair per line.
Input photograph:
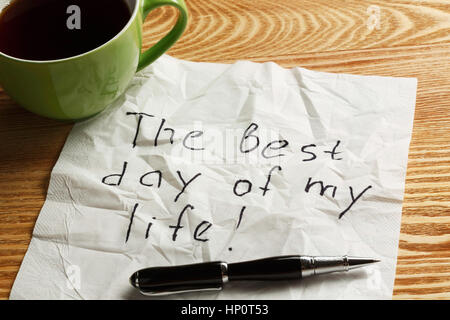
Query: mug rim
[133,16]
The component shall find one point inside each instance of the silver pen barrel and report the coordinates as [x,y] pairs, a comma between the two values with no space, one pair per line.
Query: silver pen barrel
[311,265]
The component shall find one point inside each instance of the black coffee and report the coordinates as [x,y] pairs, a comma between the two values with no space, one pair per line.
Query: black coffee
[57,29]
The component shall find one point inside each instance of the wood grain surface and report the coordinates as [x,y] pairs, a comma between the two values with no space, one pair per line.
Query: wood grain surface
[411,40]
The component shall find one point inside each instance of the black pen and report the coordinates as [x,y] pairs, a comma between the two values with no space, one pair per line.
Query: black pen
[211,276]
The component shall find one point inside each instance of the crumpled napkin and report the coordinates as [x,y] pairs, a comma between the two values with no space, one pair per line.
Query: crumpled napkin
[200,162]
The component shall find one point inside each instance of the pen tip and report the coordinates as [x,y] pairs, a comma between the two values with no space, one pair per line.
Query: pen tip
[357,262]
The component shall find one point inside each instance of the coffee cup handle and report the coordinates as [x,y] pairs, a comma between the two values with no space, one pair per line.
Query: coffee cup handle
[165,43]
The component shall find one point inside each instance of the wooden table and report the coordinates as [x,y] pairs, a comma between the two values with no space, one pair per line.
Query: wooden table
[412,39]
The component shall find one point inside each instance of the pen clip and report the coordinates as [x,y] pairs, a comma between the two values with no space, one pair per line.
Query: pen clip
[165,293]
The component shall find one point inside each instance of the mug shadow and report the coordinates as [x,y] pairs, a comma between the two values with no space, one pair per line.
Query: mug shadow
[29,144]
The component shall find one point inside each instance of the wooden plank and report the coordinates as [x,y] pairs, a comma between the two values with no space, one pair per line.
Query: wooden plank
[232,30]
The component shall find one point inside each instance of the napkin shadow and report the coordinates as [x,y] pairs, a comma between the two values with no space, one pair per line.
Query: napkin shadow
[29,144]
[248,289]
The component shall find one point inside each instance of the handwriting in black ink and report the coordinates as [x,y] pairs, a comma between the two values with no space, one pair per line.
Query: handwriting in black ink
[178,226]
[158,172]
[333,152]
[353,200]
[242,193]
[172,133]
[138,127]
[269,176]
[280,144]
[192,134]
[240,217]
[313,155]
[185,184]
[131,222]
[199,231]
[118,175]
[247,135]
[148,229]
[323,188]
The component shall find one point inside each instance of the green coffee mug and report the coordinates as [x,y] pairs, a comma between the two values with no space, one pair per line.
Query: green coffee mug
[79,87]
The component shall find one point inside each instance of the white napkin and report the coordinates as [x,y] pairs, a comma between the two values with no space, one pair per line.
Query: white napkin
[177,171]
